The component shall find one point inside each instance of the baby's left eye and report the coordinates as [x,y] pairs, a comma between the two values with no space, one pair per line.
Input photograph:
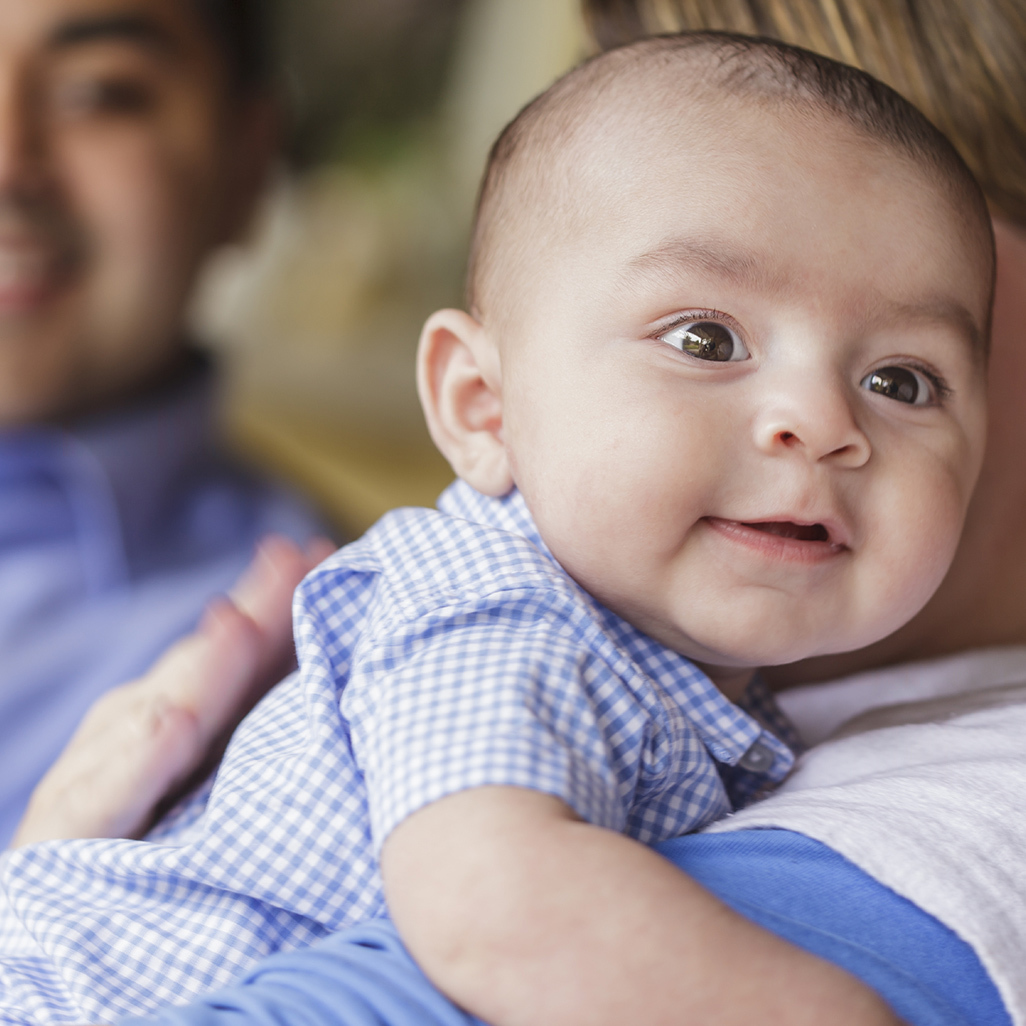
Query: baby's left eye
[707,340]
[904,384]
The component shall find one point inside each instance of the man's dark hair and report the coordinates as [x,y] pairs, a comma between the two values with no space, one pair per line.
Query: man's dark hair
[240,29]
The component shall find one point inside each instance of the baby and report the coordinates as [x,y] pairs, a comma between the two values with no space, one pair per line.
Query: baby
[718,402]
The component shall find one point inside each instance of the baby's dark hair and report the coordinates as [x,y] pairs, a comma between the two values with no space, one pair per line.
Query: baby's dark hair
[524,162]
[240,30]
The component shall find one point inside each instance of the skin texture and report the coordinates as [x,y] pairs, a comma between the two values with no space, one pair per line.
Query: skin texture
[124,158]
[980,602]
[557,921]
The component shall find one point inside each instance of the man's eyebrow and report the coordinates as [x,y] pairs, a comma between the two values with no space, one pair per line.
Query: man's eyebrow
[705,254]
[128,27]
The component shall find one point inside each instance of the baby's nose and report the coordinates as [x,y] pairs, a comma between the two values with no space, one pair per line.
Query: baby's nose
[819,428]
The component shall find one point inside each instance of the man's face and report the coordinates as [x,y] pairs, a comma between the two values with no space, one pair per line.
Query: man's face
[746,407]
[118,171]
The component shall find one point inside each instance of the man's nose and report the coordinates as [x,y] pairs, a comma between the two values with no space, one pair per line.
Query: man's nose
[23,163]
[811,416]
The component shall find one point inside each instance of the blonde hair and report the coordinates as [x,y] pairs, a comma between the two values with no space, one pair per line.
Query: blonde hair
[961,62]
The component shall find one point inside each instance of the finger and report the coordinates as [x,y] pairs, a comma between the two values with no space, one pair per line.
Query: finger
[211,673]
[140,740]
[107,784]
[277,568]
[264,593]
[318,549]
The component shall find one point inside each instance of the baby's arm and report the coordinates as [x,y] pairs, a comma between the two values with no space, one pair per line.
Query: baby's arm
[522,913]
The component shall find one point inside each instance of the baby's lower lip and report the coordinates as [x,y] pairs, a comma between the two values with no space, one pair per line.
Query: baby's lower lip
[781,539]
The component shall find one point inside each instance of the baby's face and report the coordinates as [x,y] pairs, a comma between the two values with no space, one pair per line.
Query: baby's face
[745,400]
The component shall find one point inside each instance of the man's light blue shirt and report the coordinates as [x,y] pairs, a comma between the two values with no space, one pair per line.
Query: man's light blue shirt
[113,536]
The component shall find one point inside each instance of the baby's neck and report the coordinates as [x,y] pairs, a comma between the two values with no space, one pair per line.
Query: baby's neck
[731,680]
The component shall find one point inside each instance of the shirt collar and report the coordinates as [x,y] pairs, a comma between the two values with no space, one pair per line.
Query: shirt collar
[150,450]
[508,513]
[729,731]
[121,470]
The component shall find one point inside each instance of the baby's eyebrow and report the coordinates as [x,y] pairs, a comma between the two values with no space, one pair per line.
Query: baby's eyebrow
[720,258]
[941,310]
[703,253]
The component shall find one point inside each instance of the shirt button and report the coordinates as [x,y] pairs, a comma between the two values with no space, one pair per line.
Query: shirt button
[758,758]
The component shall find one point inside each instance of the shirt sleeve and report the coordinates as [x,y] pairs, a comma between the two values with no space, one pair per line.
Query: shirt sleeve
[361,977]
[497,696]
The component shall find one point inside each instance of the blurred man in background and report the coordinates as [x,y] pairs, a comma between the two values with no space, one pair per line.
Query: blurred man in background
[135,136]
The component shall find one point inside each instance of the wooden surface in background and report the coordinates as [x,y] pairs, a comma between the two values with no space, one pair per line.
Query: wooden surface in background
[353,478]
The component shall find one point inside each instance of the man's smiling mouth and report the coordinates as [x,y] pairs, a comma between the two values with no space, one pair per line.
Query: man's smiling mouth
[42,250]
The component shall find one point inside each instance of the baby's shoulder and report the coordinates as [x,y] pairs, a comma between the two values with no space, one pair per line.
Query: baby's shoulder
[413,561]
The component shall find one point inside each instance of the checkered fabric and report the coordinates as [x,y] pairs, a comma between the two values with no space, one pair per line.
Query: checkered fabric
[445,650]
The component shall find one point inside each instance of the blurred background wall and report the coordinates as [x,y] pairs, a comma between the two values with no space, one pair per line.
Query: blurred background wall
[394,104]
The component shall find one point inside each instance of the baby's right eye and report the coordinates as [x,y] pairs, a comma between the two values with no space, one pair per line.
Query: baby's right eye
[707,340]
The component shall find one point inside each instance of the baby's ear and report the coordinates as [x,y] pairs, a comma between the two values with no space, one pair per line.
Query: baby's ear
[460,387]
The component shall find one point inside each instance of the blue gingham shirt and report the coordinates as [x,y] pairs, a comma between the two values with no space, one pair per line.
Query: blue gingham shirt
[445,650]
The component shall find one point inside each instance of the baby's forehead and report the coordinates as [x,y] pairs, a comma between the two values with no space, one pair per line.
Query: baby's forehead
[717,160]
[657,126]
[719,202]
[585,156]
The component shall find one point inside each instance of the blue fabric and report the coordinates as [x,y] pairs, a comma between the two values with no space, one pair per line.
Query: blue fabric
[818,900]
[362,976]
[790,884]
[113,536]
[442,651]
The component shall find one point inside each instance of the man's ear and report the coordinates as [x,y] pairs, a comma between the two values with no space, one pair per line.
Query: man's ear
[460,387]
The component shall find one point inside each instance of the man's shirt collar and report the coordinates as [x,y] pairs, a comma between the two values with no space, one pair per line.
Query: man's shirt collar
[108,485]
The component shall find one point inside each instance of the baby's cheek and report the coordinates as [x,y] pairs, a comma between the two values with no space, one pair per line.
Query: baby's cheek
[916,534]
[575,508]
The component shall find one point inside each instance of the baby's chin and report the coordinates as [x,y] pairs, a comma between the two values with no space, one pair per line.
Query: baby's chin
[737,630]
[777,646]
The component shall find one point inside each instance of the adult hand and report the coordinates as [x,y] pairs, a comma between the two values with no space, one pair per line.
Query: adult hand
[144,744]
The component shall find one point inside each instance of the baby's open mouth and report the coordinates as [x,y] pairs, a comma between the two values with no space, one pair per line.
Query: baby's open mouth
[789,529]
[785,539]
